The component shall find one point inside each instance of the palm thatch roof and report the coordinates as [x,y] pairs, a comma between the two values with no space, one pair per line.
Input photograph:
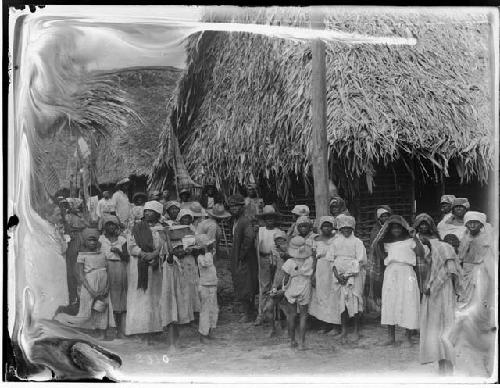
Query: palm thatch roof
[127,149]
[244,101]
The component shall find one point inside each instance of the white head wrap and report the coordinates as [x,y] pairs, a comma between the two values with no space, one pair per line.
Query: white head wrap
[155,206]
[344,221]
[381,211]
[475,216]
[184,212]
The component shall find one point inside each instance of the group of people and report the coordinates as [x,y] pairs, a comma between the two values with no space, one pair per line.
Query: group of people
[149,266]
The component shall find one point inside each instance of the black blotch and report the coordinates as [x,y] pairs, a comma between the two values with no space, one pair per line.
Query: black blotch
[13,221]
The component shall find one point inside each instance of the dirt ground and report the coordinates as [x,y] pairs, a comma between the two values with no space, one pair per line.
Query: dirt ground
[246,350]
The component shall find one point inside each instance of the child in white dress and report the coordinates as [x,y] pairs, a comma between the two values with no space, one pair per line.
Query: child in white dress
[298,272]
[400,292]
[349,262]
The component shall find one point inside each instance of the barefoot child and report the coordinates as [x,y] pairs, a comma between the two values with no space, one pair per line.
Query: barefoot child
[208,287]
[397,251]
[94,311]
[298,272]
[349,262]
[279,257]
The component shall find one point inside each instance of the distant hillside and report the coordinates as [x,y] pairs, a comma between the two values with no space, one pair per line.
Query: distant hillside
[132,149]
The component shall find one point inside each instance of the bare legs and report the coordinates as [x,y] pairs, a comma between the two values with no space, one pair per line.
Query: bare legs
[391,336]
[292,313]
[173,336]
[445,368]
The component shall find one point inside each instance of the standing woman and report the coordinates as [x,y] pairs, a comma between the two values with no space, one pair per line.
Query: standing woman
[397,252]
[146,245]
[323,304]
[425,229]
[375,274]
[114,247]
[171,209]
[475,316]
[437,311]
[75,223]
[189,266]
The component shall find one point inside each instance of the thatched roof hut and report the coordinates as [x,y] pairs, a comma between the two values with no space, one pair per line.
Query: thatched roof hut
[244,101]
[129,150]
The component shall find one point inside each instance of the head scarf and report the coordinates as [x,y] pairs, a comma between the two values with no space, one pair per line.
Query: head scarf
[185,212]
[475,216]
[110,218]
[461,202]
[344,221]
[427,218]
[383,209]
[154,206]
[137,195]
[340,202]
[449,198]
[301,210]
[169,204]
[329,219]
[303,220]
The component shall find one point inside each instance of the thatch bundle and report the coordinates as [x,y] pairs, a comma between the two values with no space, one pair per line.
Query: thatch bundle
[244,102]
[126,147]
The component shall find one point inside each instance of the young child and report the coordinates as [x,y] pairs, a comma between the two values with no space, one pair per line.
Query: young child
[208,287]
[94,312]
[279,257]
[298,271]
[349,262]
[114,248]
[400,293]
[177,309]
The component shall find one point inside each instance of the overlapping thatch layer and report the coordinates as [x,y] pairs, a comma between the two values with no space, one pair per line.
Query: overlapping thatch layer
[131,148]
[244,102]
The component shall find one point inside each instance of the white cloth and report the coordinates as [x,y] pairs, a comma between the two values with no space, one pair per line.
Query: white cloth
[400,292]
[298,289]
[208,273]
[144,310]
[106,246]
[122,206]
[451,225]
[105,206]
[266,240]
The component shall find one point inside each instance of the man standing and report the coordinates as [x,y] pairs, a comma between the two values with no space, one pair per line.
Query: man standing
[122,202]
[253,204]
[244,268]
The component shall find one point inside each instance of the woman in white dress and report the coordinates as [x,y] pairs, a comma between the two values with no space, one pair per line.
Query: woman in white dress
[323,304]
[147,246]
[397,252]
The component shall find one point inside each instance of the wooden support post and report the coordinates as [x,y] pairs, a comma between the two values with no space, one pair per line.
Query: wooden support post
[318,112]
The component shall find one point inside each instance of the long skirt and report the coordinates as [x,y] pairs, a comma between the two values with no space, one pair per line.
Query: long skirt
[143,306]
[71,273]
[88,318]
[400,297]
[209,309]
[437,315]
[117,275]
[349,296]
[324,304]
[190,272]
[176,302]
